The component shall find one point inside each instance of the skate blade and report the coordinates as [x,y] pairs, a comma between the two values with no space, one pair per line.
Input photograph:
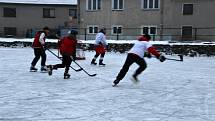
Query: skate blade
[114,85]
[66,78]
[50,73]
[33,71]
[136,82]
[43,71]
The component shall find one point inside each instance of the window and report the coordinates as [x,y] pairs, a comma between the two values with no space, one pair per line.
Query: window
[187,9]
[73,13]
[48,13]
[92,29]
[151,30]
[150,4]
[10,31]
[93,5]
[116,30]
[187,32]
[9,12]
[117,4]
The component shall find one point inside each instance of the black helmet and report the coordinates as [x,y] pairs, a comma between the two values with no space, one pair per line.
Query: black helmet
[103,30]
[46,28]
[73,32]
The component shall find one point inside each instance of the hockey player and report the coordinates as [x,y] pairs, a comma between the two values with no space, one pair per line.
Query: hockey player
[136,55]
[100,47]
[39,50]
[67,47]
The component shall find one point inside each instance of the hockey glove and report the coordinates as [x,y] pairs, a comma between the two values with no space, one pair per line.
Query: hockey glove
[106,47]
[162,58]
[147,54]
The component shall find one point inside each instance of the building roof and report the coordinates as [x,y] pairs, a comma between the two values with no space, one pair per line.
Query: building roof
[55,2]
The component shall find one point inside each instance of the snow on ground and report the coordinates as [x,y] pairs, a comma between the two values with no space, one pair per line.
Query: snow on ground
[169,91]
[111,41]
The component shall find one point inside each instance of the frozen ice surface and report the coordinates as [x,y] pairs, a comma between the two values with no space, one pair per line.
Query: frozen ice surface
[169,91]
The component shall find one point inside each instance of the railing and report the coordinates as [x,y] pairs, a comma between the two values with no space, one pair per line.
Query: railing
[161,34]
[170,34]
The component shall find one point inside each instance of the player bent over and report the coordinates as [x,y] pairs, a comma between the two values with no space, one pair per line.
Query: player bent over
[136,55]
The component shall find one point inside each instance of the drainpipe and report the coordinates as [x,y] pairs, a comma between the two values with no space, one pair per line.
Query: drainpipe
[79,9]
[161,19]
[79,18]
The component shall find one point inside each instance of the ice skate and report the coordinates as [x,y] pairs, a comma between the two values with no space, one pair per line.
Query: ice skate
[43,69]
[135,80]
[115,82]
[66,76]
[93,62]
[101,63]
[50,69]
[33,69]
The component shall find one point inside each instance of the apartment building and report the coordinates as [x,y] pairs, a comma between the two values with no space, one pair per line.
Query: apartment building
[19,18]
[164,19]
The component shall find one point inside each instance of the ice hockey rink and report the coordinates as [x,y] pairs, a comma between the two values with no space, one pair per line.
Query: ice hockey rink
[168,91]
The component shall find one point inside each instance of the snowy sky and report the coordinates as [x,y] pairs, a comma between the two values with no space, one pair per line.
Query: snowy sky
[70,2]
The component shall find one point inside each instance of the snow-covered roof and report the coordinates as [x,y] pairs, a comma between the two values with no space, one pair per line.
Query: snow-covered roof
[57,2]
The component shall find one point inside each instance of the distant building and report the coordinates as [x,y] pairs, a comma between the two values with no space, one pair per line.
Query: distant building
[21,18]
[165,19]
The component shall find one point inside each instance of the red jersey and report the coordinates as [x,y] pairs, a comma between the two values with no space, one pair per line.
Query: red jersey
[37,43]
[67,46]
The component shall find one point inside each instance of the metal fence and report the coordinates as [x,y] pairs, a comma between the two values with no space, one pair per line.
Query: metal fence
[12,32]
[170,34]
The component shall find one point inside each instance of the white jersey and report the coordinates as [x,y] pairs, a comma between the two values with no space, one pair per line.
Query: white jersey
[101,39]
[140,47]
[42,38]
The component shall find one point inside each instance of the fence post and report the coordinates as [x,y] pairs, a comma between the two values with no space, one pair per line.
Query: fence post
[85,34]
[161,32]
[153,36]
[117,34]
[195,34]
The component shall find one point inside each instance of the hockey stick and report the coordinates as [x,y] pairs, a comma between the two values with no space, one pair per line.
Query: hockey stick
[173,59]
[61,59]
[83,69]
[180,58]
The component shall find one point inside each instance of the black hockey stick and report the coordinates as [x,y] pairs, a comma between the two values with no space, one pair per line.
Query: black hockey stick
[75,63]
[180,58]
[61,59]
[83,69]
[173,59]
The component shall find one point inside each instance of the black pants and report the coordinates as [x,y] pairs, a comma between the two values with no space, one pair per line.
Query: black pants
[66,62]
[131,58]
[102,55]
[39,52]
